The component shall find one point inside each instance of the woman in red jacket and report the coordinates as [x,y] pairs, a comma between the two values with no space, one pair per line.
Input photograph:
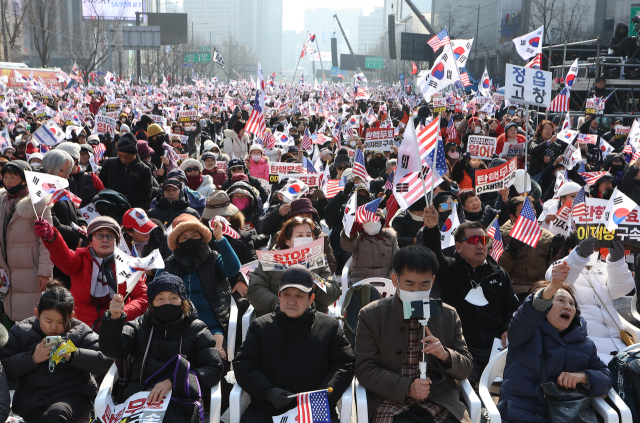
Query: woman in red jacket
[93,271]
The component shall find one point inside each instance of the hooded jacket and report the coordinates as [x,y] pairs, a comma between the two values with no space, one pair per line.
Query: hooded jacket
[260,169]
[165,210]
[372,254]
[234,146]
[132,180]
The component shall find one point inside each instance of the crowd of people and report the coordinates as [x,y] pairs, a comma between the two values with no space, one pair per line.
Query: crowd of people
[202,195]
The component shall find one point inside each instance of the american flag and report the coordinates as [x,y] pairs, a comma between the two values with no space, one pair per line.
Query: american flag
[256,124]
[325,96]
[561,102]
[307,142]
[359,168]
[334,186]
[411,188]
[313,407]
[269,140]
[451,130]
[591,177]
[427,140]
[99,150]
[464,77]
[579,207]
[441,162]
[367,212]
[389,183]
[439,40]
[64,195]
[535,63]
[526,228]
[226,227]
[494,232]
[359,92]
[308,166]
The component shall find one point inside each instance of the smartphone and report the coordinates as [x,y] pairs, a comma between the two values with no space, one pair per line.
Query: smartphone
[418,308]
[52,341]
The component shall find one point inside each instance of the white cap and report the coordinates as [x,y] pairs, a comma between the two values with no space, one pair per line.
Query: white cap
[35,156]
[522,182]
[207,146]
[568,188]
[256,147]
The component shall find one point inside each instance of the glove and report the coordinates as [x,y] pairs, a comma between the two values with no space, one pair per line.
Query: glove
[586,247]
[515,246]
[44,230]
[357,227]
[278,397]
[347,189]
[616,251]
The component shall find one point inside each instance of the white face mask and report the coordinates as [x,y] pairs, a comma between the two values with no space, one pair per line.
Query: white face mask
[414,295]
[477,130]
[616,126]
[372,228]
[416,217]
[299,242]
[352,143]
[482,116]
[216,155]
[256,157]
[476,297]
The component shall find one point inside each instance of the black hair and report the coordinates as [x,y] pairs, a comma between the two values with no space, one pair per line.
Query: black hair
[415,258]
[468,224]
[514,203]
[57,297]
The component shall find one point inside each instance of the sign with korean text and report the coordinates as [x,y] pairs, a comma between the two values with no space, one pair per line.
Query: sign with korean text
[310,255]
[204,57]
[222,165]
[378,139]
[481,147]
[105,125]
[562,224]
[587,138]
[89,212]
[513,149]
[570,157]
[498,99]
[311,179]
[113,115]
[248,269]
[188,119]
[593,106]
[160,120]
[527,85]
[135,408]
[277,168]
[496,178]
[622,130]
[373,62]
[592,224]
[439,105]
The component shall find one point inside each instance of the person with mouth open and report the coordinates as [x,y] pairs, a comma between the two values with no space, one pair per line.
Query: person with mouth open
[547,333]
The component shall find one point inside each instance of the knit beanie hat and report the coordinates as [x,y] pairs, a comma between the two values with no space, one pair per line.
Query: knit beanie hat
[128,144]
[165,281]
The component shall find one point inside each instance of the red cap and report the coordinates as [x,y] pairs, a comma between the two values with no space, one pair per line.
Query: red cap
[138,220]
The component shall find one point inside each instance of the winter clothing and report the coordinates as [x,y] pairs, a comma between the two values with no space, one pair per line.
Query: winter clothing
[166,211]
[260,169]
[372,255]
[537,150]
[234,146]
[406,227]
[530,336]
[85,184]
[79,265]
[37,386]
[132,180]
[22,254]
[297,355]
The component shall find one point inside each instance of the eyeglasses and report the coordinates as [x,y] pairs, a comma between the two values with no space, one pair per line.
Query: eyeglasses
[109,237]
[342,167]
[192,169]
[236,169]
[475,239]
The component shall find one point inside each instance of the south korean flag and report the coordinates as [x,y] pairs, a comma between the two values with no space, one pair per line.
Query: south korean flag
[443,74]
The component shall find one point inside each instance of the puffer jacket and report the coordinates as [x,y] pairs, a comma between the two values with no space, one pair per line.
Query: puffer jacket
[219,176]
[406,227]
[23,256]
[253,212]
[165,210]
[132,180]
[85,185]
[263,290]
[595,290]
[187,336]
[530,336]
[529,264]
[372,255]
[234,146]
[37,386]
[207,187]
[260,169]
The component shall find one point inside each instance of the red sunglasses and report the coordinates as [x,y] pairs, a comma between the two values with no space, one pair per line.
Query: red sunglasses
[475,239]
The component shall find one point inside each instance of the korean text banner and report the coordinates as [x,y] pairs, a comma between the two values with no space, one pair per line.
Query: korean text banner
[496,178]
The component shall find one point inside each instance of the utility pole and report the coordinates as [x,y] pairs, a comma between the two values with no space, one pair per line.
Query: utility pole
[138,64]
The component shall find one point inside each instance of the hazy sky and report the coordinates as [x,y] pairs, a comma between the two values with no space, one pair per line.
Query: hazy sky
[293,10]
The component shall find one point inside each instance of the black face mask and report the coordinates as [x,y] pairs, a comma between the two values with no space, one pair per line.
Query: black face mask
[443,216]
[168,313]
[191,246]
[16,189]
[378,161]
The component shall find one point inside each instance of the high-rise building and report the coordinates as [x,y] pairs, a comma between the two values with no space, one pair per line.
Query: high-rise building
[369,29]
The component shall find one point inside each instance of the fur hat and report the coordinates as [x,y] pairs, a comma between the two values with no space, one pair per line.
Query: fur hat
[189,163]
[185,222]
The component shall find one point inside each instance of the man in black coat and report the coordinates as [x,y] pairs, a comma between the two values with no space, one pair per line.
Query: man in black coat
[139,131]
[292,350]
[127,174]
[171,203]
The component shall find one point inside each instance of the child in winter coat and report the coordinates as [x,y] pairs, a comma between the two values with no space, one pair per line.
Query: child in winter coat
[258,163]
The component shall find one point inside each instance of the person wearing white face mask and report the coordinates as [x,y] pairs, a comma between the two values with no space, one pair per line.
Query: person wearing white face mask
[372,249]
[258,163]
[263,284]
[473,283]
[388,349]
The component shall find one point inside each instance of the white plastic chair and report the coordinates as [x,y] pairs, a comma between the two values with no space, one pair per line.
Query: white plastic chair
[634,303]
[474,405]
[345,275]
[239,400]
[495,368]
[106,390]
[383,285]
[231,334]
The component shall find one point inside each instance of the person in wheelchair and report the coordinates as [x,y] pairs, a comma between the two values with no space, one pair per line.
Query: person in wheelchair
[292,350]
[49,392]
[388,348]
[547,333]
[162,343]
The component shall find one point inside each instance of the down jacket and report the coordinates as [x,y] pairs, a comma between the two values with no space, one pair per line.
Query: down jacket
[530,336]
[187,336]
[260,169]
[372,255]
[23,256]
[234,146]
[79,265]
[37,386]
[609,281]
[263,290]
[406,227]
[132,180]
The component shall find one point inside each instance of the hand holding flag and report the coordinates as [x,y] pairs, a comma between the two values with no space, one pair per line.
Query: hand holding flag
[220,221]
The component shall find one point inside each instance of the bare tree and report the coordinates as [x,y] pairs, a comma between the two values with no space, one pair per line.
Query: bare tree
[566,17]
[12,19]
[89,47]
[43,19]
[235,55]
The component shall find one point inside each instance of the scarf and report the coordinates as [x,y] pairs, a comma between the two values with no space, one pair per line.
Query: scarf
[191,263]
[103,280]
[194,181]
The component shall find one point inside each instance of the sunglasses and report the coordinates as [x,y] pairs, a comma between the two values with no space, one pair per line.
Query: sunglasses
[475,239]
[343,167]
[192,169]
[236,169]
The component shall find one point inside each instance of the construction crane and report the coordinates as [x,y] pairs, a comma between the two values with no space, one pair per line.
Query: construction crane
[421,17]
[348,45]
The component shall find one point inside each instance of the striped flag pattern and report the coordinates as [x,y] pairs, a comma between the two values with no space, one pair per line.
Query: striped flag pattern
[498,246]
[359,168]
[439,40]
[333,187]
[313,407]
[389,183]
[307,142]
[535,63]
[526,228]
[99,150]
[367,212]
[226,227]
[451,130]
[256,124]
[428,140]
[561,102]
[464,78]
[64,195]
[579,207]
[410,186]
[591,177]
[269,140]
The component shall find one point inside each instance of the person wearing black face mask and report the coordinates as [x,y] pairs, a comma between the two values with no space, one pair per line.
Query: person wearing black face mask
[377,164]
[170,329]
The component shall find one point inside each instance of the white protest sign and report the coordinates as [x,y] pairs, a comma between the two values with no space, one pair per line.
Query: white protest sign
[248,269]
[135,408]
[379,139]
[188,119]
[89,212]
[622,130]
[512,149]
[561,223]
[570,157]
[309,255]
[496,178]
[527,85]
[222,165]
[105,125]
[311,179]
[481,147]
